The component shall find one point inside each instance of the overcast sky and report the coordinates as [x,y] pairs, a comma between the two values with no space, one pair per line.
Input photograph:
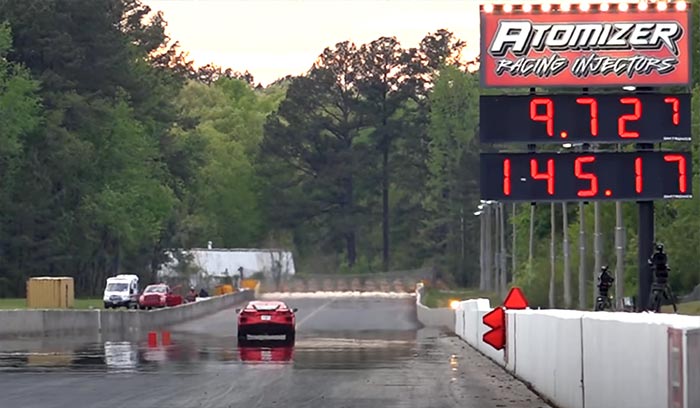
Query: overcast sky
[274,38]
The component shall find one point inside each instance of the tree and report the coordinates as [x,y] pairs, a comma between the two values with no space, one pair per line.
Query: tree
[382,85]
[310,142]
[94,191]
[222,200]
[452,187]
[20,118]
[393,82]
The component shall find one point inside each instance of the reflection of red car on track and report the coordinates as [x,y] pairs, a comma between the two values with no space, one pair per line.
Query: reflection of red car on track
[263,354]
[266,318]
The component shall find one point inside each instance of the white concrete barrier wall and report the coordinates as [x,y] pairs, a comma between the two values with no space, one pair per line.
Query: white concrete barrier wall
[589,359]
[547,353]
[626,363]
[434,317]
[32,323]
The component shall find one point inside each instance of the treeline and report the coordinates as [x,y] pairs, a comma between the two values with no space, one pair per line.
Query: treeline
[114,148]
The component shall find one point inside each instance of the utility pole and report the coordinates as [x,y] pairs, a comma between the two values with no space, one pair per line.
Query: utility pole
[462,268]
[552,256]
[645,247]
[567,269]
[620,253]
[620,249]
[582,256]
[597,244]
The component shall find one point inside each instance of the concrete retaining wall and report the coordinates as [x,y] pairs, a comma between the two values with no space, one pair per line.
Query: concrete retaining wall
[594,359]
[32,323]
[429,317]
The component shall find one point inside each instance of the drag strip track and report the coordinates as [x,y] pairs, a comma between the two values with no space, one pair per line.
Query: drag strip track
[350,352]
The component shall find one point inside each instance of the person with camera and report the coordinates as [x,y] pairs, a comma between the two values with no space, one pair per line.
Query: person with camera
[605,281]
[660,286]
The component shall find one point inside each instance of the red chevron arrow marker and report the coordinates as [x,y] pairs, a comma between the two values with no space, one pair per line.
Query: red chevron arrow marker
[496,320]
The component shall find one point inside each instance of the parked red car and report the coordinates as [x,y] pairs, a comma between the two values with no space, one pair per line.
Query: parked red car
[158,295]
[266,318]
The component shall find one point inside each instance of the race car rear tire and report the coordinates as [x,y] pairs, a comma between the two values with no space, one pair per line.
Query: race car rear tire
[242,336]
[291,336]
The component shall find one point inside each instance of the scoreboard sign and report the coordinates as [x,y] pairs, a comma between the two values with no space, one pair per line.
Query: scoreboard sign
[594,176]
[585,45]
[592,118]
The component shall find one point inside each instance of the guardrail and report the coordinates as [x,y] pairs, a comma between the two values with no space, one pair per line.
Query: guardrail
[595,359]
[45,322]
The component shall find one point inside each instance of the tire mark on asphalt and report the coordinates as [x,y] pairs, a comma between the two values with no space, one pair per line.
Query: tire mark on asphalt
[312,314]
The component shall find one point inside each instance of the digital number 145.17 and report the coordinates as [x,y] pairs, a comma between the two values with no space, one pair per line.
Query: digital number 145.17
[548,175]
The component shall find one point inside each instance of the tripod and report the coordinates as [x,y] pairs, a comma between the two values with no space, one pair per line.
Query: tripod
[605,281]
[659,291]
[602,303]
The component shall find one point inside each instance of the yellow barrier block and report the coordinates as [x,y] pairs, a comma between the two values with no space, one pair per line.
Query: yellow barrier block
[249,283]
[50,293]
[252,284]
[223,290]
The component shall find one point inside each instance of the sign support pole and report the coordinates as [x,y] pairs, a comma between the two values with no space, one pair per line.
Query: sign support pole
[645,242]
[644,246]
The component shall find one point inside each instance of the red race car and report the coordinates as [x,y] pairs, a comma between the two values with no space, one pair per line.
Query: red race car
[158,295]
[266,318]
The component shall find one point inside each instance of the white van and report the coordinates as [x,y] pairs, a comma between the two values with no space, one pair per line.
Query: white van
[122,290]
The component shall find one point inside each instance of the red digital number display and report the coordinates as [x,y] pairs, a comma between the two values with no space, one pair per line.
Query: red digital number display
[578,171]
[682,168]
[586,176]
[623,119]
[604,118]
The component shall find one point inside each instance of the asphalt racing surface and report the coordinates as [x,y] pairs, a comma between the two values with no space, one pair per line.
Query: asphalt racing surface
[349,352]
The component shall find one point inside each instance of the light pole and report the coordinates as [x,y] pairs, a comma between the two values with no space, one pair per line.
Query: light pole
[504,266]
[582,257]
[552,256]
[497,252]
[482,247]
[490,243]
[597,245]
[567,268]
[513,264]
